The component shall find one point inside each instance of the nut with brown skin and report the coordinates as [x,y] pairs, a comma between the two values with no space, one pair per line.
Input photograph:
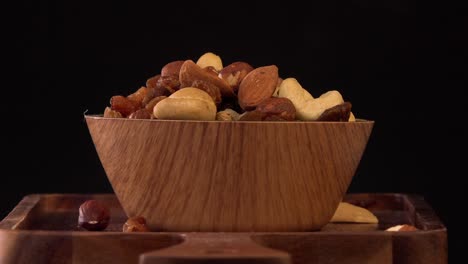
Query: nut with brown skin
[234,73]
[135,224]
[139,95]
[151,82]
[280,107]
[257,86]
[337,113]
[191,72]
[210,89]
[124,105]
[401,228]
[151,104]
[172,68]
[170,83]
[140,114]
[211,70]
[253,116]
[93,216]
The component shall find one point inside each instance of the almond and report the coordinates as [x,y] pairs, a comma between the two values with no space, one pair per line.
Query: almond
[257,86]
[190,72]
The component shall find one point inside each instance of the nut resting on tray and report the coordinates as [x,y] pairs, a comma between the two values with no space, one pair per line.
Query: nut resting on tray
[207,90]
[93,216]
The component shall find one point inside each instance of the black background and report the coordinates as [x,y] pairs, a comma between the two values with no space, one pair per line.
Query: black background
[399,63]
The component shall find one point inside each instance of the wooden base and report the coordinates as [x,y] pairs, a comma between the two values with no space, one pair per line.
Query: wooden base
[43,229]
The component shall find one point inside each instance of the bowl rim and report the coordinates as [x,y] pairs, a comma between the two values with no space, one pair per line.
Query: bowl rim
[101,117]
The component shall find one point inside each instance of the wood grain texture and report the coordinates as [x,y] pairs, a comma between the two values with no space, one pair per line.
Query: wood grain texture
[229,176]
[43,229]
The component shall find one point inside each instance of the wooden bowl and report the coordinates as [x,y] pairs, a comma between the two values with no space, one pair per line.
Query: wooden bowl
[229,176]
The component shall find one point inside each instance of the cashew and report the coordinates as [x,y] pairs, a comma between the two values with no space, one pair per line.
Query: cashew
[227,115]
[347,212]
[210,59]
[307,107]
[351,117]
[188,103]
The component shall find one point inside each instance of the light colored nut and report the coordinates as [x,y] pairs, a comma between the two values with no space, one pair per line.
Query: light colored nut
[291,89]
[172,68]
[186,104]
[257,86]
[234,73]
[401,228]
[227,115]
[190,72]
[351,117]
[347,212]
[210,59]
[307,107]
[108,112]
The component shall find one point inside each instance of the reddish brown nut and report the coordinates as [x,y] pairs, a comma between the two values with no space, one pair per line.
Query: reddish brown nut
[172,68]
[151,104]
[139,95]
[93,216]
[274,118]
[140,114]
[151,82]
[234,73]
[280,107]
[190,72]
[124,105]
[339,112]
[170,83]
[136,224]
[402,228]
[111,113]
[209,88]
[253,116]
[211,70]
[257,86]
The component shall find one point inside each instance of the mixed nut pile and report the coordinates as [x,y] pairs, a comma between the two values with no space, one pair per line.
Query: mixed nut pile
[205,90]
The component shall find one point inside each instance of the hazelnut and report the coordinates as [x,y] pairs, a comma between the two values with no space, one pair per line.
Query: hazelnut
[93,216]
[135,224]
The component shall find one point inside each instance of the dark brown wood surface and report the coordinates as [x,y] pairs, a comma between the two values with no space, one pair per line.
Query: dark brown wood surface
[43,229]
[229,176]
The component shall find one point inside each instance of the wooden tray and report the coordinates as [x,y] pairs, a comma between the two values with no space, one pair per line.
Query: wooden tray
[42,229]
